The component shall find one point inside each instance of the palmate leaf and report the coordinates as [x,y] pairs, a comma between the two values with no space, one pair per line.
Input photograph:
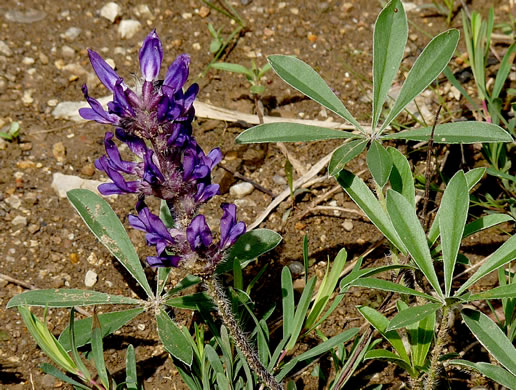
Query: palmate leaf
[289,132]
[427,67]
[306,80]
[454,212]
[390,38]
[455,133]
[106,226]
[491,337]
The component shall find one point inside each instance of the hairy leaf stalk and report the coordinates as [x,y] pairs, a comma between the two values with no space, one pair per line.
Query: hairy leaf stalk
[243,344]
[433,374]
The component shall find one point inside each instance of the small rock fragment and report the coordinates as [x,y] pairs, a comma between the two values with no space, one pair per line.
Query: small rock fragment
[33,228]
[110,11]
[28,60]
[296,268]
[64,183]
[128,28]
[26,164]
[347,225]
[90,279]
[27,96]
[19,221]
[13,201]
[280,180]
[88,169]
[5,50]
[241,189]
[67,51]
[204,11]
[72,33]
[74,258]
[59,151]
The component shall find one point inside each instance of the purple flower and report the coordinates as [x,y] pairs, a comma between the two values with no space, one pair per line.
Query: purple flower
[230,229]
[198,233]
[151,55]
[96,112]
[156,234]
[105,73]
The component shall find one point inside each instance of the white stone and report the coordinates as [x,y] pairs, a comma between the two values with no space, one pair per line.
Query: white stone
[27,96]
[5,50]
[13,201]
[241,189]
[90,279]
[110,11]
[28,60]
[72,33]
[19,220]
[64,183]
[128,28]
[347,225]
[280,180]
[52,102]
[67,51]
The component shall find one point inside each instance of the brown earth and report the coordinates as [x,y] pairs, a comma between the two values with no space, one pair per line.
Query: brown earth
[51,248]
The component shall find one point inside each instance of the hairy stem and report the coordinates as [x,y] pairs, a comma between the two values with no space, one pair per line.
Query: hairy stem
[436,352]
[243,344]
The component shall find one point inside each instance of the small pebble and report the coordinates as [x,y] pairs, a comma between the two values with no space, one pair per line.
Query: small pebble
[90,279]
[72,33]
[241,189]
[128,28]
[296,268]
[33,228]
[5,50]
[27,97]
[88,169]
[59,151]
[347,225]
[28,61]
[74,258]
[279,180]
[110,11]
[19,220]
[67,51]
[204,11]
[13,201]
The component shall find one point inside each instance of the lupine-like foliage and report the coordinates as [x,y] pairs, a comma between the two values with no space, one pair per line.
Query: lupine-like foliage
[155,122]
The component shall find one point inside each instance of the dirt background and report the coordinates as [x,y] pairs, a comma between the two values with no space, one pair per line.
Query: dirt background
[44,244]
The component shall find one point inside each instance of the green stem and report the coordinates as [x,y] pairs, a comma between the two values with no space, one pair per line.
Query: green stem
[436,353]
[243,344]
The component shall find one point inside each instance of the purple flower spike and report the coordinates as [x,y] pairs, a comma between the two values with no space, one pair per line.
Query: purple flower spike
[198,233]
[151,55]
[163,260]
[177,73]
[230,230]
[105,73]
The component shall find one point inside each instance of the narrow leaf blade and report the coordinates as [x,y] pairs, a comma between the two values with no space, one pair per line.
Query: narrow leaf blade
[411,233]
[390,38]
[344,154]
[364,198]
[494,372]
[427,67]
[412,315]
[306,80]
[289,132]
[379,162]
[491,337]
[173,339]
[106,226]
[456,133]
[68,298]
[454,212]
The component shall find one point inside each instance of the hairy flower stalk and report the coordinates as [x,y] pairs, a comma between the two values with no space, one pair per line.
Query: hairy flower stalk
[154,120]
